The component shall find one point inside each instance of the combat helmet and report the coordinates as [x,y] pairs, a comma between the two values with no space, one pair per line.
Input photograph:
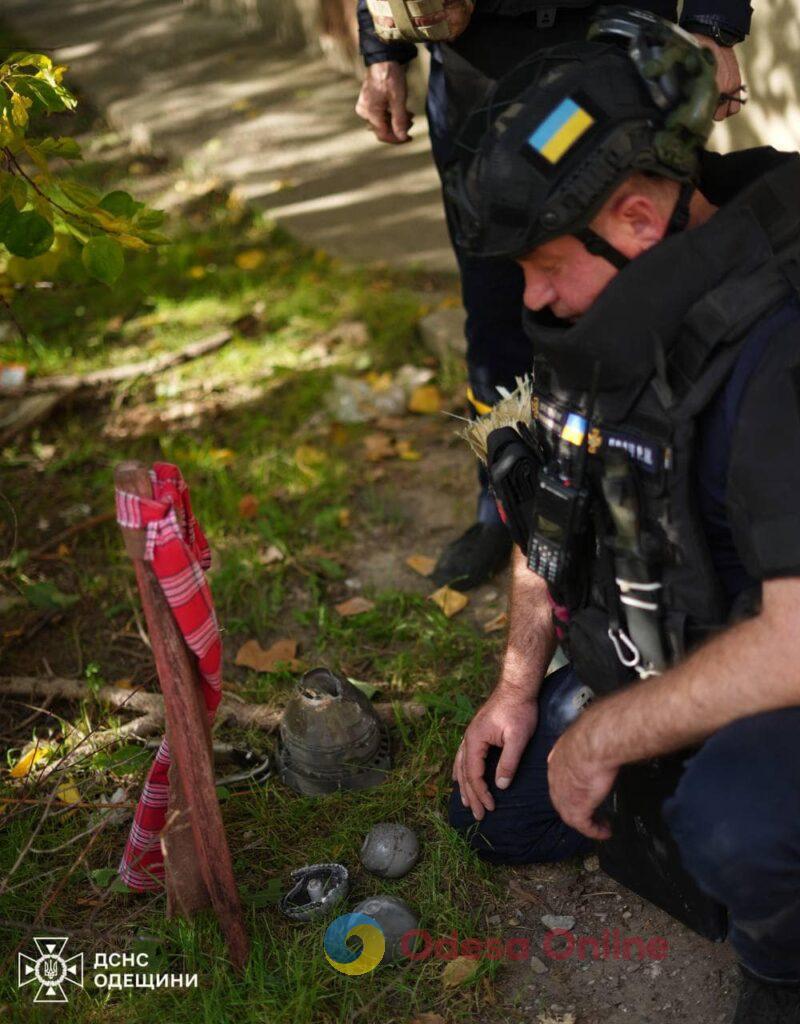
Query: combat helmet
[331,738]
[560,132]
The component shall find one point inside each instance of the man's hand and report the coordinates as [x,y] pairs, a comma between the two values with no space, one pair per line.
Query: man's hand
[579,782]
[503,721]
[382,102]
[729,77]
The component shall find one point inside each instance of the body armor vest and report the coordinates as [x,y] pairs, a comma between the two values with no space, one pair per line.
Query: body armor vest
[639,588]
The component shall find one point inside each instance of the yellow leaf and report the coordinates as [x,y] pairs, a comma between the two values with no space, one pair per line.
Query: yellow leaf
[62,550]
[407,452]
[379,381]
[354,606]
[306,456]
[422,564]
[37,752]
[458,971]
[450,601]
[425,399]
[496,624]
[378,447]
[344,516]
[126,683]
[250,259]
[282,652]
[132,242]
[222,455]
[19,109]
[196,272]
[68,793]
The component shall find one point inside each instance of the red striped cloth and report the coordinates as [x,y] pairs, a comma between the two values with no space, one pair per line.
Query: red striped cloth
[179,553]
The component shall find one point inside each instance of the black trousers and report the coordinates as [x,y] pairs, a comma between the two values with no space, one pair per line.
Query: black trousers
[735,817]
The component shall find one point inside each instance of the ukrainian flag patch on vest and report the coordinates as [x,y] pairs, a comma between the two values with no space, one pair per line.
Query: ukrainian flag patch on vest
[560,130]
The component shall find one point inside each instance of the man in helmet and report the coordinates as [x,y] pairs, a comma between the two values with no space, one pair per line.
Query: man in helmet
[471,45]
[655,494]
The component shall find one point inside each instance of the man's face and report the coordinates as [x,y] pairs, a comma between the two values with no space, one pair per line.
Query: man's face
[561,274]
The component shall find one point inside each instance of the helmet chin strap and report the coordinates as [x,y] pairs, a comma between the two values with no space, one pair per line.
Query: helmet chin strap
[599,246]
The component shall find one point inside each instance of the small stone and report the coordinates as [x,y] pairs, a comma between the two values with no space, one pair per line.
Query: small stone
[538,966]
[353,583]
[494,919]
[591,863]
[560,922]
[627,915]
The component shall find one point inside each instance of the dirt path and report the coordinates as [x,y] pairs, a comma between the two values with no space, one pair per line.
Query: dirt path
[224,102]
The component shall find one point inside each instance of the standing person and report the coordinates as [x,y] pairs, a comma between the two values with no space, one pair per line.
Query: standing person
[661,542]
[499,34]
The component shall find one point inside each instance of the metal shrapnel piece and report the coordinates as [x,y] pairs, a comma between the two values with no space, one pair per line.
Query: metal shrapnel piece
[396,919]
[390,850]
[315,891]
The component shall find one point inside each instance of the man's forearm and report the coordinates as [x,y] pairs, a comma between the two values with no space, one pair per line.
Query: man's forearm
[751,667]
[531,634]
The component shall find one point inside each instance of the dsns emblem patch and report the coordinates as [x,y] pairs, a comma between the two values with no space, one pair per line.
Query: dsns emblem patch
[560,130]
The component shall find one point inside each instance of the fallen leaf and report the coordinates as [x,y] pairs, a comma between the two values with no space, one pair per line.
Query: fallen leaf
[62,550]
[407,452]
[307,457]
[249,259]
[196,272]
[354,606]
[450,601]
[124,684]
[30,758]
[422,564]
[425,399]
[378,447]
[248,506]
[430,790]
[459,971]
[282,652]
[222,455]
[390,423]
[344,516]
[379,381]
[271,555]
[68,793]
[496,624]
[428,1018]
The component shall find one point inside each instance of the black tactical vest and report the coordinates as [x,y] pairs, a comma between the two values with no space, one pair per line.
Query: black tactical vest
[655,349]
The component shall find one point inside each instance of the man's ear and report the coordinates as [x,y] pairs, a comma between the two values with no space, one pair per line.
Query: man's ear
[639,220]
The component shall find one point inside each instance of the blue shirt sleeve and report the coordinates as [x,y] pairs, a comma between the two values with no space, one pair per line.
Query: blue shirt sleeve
[374,49]
[731,15]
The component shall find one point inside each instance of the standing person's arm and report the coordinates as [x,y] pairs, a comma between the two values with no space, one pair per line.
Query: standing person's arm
[383,96]
[508,718]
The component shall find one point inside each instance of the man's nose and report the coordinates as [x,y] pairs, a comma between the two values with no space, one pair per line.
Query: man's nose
[538,290]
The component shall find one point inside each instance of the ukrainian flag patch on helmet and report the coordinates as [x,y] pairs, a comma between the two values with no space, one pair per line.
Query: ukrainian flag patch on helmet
[560,130]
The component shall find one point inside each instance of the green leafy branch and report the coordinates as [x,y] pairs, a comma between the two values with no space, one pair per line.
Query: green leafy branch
[37,203]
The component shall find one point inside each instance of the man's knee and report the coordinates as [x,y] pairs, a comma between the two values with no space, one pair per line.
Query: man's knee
[515,835]
[737,808]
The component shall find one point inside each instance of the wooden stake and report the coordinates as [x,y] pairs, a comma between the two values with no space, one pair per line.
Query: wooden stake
[199,872]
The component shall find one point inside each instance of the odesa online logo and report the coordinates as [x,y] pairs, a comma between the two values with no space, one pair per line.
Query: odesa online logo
[354,944]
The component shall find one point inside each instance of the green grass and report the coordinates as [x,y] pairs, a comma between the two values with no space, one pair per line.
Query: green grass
[277,447]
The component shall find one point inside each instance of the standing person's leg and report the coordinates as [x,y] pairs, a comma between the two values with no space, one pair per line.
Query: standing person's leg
[524,827]
[498,351]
